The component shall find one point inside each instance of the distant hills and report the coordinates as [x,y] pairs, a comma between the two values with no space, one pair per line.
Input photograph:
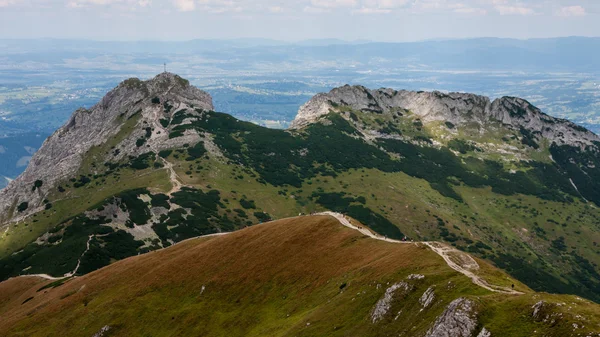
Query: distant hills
[556,54]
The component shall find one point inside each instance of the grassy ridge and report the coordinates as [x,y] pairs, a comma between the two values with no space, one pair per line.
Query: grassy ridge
[306,276]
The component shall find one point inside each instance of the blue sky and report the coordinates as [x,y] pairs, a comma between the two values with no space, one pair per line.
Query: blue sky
[379,20]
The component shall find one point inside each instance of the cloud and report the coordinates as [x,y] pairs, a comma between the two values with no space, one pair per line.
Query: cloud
[184,5]
[384,4]
[85,3]
[367,10]
[315,10]
[333,3]
[449,6]
[572,11]
[504,7]
[379,6]
[462,8]
[6,3]
[276,9]
[514,10]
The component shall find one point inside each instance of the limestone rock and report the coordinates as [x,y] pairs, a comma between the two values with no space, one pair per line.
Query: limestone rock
[61,155]
[456,108]
[458,320]
[484,333]
[383,306]
[105,329]
[427,298]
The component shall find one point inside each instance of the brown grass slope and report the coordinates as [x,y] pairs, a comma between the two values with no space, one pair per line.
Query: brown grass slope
[306,276]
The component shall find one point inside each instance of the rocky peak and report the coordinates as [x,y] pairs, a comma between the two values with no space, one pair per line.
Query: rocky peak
[62,154]
[456,108]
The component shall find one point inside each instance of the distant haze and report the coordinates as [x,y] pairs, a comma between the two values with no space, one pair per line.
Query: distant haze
[377,20]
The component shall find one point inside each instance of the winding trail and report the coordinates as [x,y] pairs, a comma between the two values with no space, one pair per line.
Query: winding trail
[455,259]
[173,176]
[79,260]
[465,263]
[72,273]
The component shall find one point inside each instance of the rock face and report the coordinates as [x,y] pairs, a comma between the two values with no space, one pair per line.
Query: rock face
[383,306]
[458,320]
[456,108]
[61,155]
[484,333]
[427,298]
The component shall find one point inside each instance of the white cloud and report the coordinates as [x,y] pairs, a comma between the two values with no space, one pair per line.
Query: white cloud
[462,8]
[276,9]
[572,11]
[384,4]
[85,3]
[506,7]
[468,7]
[514,10]
[6,3]
[333,3]
[367,10]
[185,5]
[315,10]
[221,6]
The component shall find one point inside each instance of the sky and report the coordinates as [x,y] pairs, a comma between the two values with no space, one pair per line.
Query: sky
[376,20]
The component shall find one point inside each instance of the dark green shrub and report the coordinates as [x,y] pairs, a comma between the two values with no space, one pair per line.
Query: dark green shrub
[23,207]
[37,184]
[165,153]
[247,204]
[196,152]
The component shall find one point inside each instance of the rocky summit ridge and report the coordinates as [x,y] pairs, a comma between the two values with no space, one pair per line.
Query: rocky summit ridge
[62,154]
[456,108]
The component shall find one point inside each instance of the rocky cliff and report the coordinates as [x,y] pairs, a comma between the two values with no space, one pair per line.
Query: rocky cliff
[456,108]
[62,154]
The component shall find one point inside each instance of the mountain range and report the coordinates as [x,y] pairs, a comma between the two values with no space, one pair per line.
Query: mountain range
[560,54]
[152,165]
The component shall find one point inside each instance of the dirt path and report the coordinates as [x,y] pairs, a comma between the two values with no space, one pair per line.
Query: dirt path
[467,264]
[70,274]
[455,259]
[79,260]
[344,221]
[44,276]
[173,177]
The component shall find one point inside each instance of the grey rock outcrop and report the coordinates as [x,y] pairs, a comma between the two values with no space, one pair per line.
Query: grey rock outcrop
[459,319]
[457,108]
[484,333]
[61,155]
[383,306]
[105,329]
[427,298]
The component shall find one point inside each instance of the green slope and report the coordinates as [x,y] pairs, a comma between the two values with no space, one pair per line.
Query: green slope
[525,216]
[307,276]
